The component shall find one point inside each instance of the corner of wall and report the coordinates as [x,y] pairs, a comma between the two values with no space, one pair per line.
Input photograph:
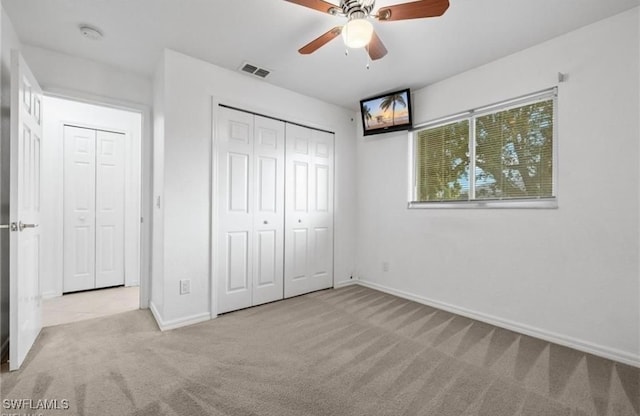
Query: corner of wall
[157,234]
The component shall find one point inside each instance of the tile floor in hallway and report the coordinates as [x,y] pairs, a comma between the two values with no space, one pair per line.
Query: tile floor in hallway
[75,307]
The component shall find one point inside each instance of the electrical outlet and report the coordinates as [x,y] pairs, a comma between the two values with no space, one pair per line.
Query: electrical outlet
[385,266]
[185,286]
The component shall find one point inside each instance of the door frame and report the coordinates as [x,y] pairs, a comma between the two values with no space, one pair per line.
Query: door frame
[216,102]
[144,221]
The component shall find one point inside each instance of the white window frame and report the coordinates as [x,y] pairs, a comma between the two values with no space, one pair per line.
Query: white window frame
[471,115]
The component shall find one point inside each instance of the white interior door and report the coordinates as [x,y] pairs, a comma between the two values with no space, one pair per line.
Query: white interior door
[234,137]
[93,209]
[26,136]
[268,215]
[109,209]
[309,211]
[79,209]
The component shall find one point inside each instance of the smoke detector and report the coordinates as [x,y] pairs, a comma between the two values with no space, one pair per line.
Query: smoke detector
[90,32]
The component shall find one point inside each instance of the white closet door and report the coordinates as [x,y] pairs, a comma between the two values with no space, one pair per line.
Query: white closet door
[268,218]
[235,217]
[109,209]
[321,214]
[79,208]
[309,211]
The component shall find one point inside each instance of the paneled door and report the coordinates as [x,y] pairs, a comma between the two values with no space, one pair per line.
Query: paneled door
[250,221]
[309,211]
[268,218]
[25,312]
[109,209]
[79,231]
[93,209]
[235,212]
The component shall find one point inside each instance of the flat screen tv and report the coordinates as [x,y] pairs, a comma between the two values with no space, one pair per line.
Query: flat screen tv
[386,113]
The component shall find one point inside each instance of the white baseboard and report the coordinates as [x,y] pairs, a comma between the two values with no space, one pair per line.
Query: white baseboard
[177,323]
[4,350]
[584,346]
[51,294]
[345,283]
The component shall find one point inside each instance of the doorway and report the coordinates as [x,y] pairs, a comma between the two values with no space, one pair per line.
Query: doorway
[91,210]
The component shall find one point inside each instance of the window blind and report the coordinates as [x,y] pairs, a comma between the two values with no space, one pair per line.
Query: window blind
[500,153]
[514,152]
[442,170]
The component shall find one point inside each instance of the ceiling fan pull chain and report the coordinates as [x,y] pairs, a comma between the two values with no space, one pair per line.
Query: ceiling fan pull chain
[346,48]
[368,57]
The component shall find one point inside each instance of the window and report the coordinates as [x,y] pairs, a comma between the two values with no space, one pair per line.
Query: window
[500,156]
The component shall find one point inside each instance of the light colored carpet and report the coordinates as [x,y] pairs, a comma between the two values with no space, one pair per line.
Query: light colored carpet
[79,306]
[352,351]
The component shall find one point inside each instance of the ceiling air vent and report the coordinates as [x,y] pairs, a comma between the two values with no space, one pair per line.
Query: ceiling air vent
[254,70]
[261,72]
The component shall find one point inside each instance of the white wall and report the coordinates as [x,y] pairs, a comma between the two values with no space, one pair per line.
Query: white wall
[56,72]
[157,266]
[569,274]
[189,85]
[58,113]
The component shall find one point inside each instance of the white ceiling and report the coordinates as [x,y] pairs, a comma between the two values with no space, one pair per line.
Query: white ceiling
[269,33]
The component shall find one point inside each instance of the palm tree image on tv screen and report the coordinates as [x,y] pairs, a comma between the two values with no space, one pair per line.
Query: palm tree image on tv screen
[386,112]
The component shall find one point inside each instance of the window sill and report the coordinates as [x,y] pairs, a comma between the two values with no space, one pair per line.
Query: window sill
[547,203]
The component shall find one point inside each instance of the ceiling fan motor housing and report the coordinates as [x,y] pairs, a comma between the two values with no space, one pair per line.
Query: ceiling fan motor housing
[357,9]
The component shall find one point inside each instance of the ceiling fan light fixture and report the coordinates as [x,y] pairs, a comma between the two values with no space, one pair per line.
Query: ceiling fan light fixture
[357,33]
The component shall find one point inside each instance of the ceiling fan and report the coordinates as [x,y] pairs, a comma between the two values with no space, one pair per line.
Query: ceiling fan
[358,32]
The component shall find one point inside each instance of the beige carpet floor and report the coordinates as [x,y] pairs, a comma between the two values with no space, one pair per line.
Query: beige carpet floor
[352,351]
[79,306]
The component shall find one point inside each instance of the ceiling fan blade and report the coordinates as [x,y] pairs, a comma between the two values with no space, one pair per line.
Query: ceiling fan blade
[413,10]
[376,48]
[320,41]
[319,5]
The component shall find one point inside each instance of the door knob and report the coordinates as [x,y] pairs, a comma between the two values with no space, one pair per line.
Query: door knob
[299,221]
[22,226]
[13,226]
[265,222]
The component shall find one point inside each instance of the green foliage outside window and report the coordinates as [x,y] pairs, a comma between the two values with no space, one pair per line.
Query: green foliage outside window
[513,156]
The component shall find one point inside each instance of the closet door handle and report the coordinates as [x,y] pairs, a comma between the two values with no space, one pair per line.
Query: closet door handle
[265,222]
[22,226]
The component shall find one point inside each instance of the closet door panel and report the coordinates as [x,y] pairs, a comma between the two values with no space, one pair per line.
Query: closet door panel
[237,248]
[79,209]
[268,219]
[234,227]
[321,215]
[309,211]
[297,202]
[109,209]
